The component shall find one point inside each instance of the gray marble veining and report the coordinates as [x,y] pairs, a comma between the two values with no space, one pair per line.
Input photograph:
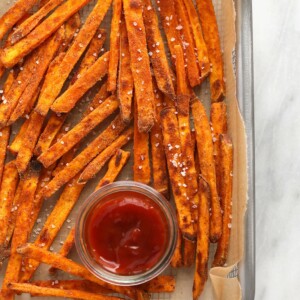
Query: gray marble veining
[277,121]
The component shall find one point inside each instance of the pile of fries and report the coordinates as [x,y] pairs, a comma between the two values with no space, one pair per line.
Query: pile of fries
[51,60]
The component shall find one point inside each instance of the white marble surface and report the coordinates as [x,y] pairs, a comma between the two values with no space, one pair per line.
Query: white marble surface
[277,120]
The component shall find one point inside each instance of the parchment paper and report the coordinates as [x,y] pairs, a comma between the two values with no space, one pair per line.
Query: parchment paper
[220,285]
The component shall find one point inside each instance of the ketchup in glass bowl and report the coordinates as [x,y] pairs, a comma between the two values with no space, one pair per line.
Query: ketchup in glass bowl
[126,233]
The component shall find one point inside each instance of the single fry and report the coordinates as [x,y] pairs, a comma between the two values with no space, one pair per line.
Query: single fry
[49,133]
[12,55]
[82,159]
[9,81]
[30,138]
[201,47]
[158,57]
[114,46]
[159,164]
[43,291]
[207,166]
[14,147]
[72,137]
[89,78]
[22,231]
[92,53]
[211,36]
[177,259]
[66,247]
[140,64]
[115,166]
[14,14]
[188,252]
[202,252]
[226,152]
[98,162]
[7,193]
[125,79]
[141,159]
[73,54]
[4,140]
[188,44]
[218,118]
[31,102]
[171,138]
[43,56]
[70,267]
[30,23]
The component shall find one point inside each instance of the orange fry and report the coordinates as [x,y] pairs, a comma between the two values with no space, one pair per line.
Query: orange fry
[158,57]
[4,139]
[72,137]
[89,78]
[201,47]
[141,159]
[30,23]
[83,158]
[226,152]
[125,80]
[11,55]
[43,291]
[140,64]
[70,267]
[114,47]
[202,252]
[14,147]
[7,192]
[98,162]
[207,166]
[115,165]
[177,259]
[28,143]
[171,138]
[9,81]
[14,14]
[211,36]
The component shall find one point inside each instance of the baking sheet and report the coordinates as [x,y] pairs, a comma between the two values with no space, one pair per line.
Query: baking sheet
[220,285]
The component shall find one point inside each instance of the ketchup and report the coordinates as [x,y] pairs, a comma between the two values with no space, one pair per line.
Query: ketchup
[128,234]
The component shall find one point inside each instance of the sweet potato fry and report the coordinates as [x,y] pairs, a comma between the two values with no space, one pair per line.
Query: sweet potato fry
[11,55]
[70,267]
[115,165]
[141,159]
[73,54]
[30,138]
[169,23]
[66,247]
[202,252]
[14,147]
[53,223]
[89,78]
[140,64]
[226,152]
[218,118]
[125,79]
[211,36]
[43,56]
[177,259]
[207,166]
[32,102]
[9,81]
[4,139]
[158,57]
[21,232]
[160,284]
[201,47]
[114,47]
[188,44]
[171,138]
[48,292]
[98,162]
[49,133]
[7,192]
[91,54]
[14,14]
[30,23]
[159,164]
[72,137]
[82,159]
[72,26]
